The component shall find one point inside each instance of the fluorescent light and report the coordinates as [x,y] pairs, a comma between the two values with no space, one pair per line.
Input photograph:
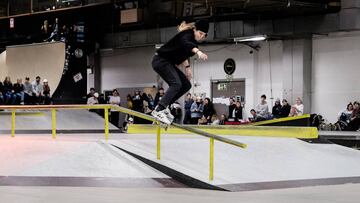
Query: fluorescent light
[250,38]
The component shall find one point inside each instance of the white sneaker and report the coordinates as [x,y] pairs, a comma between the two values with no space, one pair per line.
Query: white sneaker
[161,116]
[168,114]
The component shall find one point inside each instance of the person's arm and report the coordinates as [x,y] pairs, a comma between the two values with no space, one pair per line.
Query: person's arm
[200,54]
[188,41]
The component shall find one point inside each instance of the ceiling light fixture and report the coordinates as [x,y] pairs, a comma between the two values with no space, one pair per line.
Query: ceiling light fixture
[250,38]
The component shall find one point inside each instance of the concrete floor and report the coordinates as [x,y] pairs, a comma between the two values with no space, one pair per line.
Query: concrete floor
[324,194]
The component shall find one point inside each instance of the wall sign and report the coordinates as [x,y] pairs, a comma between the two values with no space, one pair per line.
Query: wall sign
[229,66]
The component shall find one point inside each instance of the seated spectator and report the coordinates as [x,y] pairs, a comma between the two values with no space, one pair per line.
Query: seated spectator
[196,110]
[209,110]
[46,92]
[354,123]
[114,99]
[262,109]
[94,99]
[8,90]
[285,109]
[237,112]
[1,93]
[346,114]
[255,117]
[18,96]
[220,120]
[91,93]
[276,110]
[297,109]
[28,92]
[38,90]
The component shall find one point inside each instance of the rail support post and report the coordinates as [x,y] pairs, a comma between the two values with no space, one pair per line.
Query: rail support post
[106,115]
[53,123]
[158,143]
[13,123]
[211,172]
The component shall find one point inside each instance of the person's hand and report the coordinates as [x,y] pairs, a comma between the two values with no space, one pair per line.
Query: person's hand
[202,55]
[188,73]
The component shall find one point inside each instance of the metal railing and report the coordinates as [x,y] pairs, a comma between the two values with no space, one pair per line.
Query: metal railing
[106,109]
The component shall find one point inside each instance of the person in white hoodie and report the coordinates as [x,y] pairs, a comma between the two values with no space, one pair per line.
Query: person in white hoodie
[298,108]
[262,109]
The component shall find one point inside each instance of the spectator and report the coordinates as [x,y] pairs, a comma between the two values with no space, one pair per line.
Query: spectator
[175,110]
[187,106]
[45,30]
[346,114]
[55,34]
[354,123]
[38,90]
[158,96]
[237,112]
[297,109]
[151,101]
[8,90]
[28,92]
[114,99]
[255,117]
[94,99]
[146,108]
[18,96]
[46,92]
[262,109]
[209,110]
[129,101]
[91,93]
[285,109]
[1,93]
[138,105]
[231,107]
[276,110]
[196,110]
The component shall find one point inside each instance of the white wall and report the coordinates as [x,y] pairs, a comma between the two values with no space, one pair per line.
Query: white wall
[336,73]
[129,67]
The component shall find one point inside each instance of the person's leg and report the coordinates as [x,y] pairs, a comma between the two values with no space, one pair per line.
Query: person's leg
[168,72]
[186,85]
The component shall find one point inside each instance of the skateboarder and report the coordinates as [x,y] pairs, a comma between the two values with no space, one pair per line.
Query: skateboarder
[171,57]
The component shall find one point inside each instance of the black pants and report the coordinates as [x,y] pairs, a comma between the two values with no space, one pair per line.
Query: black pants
[114,118]
[174,77]
[194,121]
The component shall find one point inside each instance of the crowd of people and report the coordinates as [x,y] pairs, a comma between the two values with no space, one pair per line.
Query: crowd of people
[20,93]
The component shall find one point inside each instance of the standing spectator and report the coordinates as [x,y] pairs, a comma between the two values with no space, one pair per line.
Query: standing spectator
[209,110]
[55,34]
[158,96]
[297,109]
[91,93]
[175,110]
[129,102]
[8,90]
[146,108]
[46,92]
[94,99]
[1,93]
[262,109]
[187,106]
[137,105]
[28,92]
[285,109]
[45,31]
[276,110]
[237,112]
[231,107]
[18,96]
[38,90]
[196,111]
[151,101]
[114,99]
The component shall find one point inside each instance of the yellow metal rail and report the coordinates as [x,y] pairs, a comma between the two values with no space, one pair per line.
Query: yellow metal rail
[106,109]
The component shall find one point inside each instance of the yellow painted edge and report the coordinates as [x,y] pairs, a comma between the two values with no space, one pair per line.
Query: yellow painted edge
[258,131]
[280,120]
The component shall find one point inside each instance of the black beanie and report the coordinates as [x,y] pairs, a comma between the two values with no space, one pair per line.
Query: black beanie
[202,25]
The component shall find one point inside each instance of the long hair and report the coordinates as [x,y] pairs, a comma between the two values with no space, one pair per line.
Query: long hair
[186,26]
